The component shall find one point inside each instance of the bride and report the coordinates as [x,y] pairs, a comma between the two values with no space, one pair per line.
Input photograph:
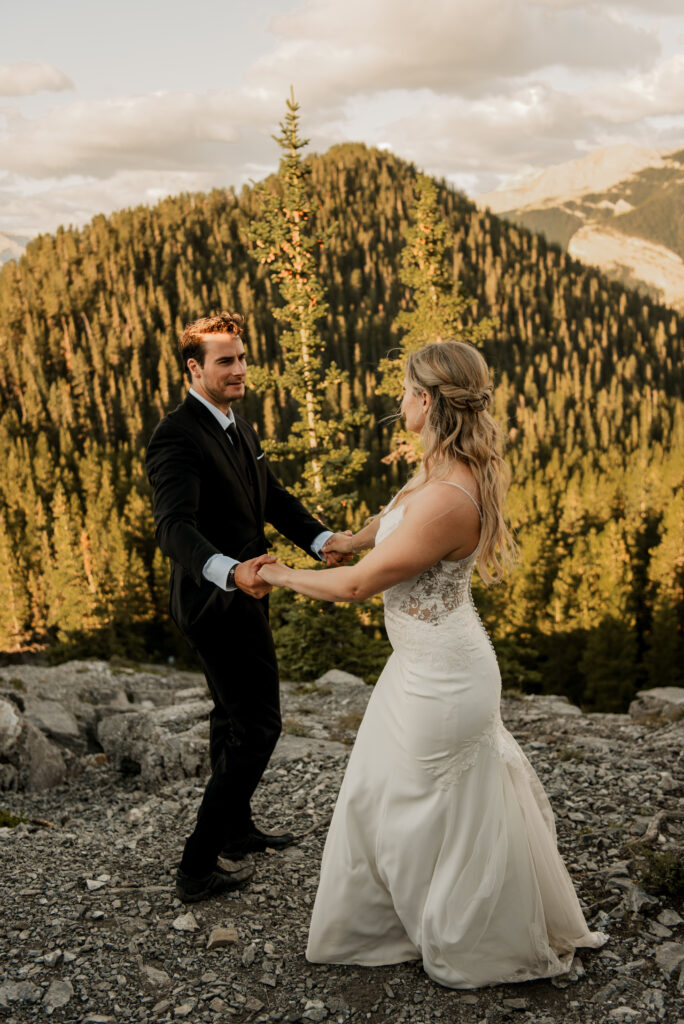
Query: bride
[442,846]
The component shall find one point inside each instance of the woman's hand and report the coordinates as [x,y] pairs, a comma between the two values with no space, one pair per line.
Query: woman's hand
[339,549]
[275,573]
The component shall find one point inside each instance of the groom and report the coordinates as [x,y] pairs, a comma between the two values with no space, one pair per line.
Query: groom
[213,492]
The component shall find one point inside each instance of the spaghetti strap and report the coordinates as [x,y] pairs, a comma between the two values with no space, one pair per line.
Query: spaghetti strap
[452,483]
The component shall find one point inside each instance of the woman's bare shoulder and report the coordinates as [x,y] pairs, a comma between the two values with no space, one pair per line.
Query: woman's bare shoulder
[437,499]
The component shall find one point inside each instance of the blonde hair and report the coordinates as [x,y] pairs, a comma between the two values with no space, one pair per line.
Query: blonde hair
[458,427]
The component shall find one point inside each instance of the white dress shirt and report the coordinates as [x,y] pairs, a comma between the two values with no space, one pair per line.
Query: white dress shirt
[217,567]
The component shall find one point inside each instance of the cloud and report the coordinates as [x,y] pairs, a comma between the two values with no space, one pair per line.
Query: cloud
[453,47]
[657,93]
[181,131]
[648,7]
[479,141]
[27,77]
[28,208]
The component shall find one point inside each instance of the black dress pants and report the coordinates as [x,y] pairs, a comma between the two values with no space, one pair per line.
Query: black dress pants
[239,662]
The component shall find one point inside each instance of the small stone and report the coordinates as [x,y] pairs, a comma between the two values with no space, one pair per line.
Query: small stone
[157,978]
[469,1000]
[98,1018]
[249,955]
[669,956]
[58,994]
[185,923]
[162,1006]
[185,1009]
[659,930]
[135,816]
[268,979]
[253,1005]
[667,783]
[389,991]
[27,992]
[515,1004]
[97,915]
[217,1005]
[93,884]
[637,898]
[625,1013]
[9,992]
[315,1010]
[670,918]
[53,958]
[220,936]
[269,948]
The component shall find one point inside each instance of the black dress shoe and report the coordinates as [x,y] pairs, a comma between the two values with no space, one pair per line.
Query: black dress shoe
[256,841]
[192,890]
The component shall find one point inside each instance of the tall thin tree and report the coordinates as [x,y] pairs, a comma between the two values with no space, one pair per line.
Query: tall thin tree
[288,245]
[438,305]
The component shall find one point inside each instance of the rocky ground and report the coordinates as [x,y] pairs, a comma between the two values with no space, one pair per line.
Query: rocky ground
[91,930]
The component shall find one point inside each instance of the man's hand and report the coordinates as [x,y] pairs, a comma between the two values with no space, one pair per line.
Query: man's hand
[338,549]
[247,577]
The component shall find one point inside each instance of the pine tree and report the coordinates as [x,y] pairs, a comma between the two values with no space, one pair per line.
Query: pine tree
[438,305]
[287,242]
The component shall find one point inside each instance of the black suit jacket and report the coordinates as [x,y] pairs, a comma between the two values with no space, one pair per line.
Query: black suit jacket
[205,503]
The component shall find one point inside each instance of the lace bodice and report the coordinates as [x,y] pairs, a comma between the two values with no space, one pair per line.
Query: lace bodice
[434,594]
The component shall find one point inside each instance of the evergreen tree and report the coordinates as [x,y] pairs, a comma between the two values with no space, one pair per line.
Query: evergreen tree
[438,305]
[287,242]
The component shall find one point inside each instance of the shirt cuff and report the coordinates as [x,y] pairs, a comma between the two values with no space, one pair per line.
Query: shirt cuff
[317,544]
[216,569]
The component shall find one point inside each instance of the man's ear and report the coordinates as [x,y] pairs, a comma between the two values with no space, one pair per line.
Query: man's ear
[193,366]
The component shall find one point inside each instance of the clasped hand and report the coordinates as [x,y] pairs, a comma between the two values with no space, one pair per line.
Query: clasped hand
[337,550]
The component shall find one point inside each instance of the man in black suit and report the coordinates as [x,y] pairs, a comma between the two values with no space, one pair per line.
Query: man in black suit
[213,492]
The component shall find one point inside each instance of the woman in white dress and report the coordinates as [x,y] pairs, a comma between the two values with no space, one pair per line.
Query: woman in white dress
[442,846]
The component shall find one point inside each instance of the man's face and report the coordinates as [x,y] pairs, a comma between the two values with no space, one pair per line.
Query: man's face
[221,379]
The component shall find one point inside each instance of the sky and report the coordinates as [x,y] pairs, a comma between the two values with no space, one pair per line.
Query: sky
[107,106]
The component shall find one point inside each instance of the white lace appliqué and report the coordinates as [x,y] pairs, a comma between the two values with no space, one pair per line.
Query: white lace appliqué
[437,592]
[448,770]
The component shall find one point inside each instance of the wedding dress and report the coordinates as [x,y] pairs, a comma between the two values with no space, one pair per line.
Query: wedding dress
[442,846]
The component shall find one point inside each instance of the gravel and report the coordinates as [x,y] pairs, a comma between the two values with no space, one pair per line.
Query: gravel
[91,931]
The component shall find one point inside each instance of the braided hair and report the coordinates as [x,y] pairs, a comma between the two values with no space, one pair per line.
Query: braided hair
[459,428]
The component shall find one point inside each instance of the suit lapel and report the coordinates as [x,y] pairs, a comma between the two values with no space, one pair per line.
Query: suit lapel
[211,425]
[247,442]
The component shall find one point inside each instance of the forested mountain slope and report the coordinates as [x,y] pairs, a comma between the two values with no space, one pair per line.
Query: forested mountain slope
[589,383]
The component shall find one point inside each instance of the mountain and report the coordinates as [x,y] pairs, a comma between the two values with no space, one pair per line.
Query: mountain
[620,208]
[589,383]
[11,246]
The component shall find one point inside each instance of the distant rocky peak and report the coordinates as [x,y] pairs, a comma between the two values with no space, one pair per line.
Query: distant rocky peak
[595,172]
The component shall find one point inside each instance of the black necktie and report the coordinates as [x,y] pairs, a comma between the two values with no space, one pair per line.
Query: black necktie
[233,436]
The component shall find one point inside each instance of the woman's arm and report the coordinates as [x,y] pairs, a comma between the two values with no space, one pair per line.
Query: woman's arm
[436,522]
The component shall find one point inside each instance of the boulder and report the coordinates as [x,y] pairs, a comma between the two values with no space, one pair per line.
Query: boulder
[662,701]
[335,677]
[28,760]
[159,744]
[57,722]
[67,702]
